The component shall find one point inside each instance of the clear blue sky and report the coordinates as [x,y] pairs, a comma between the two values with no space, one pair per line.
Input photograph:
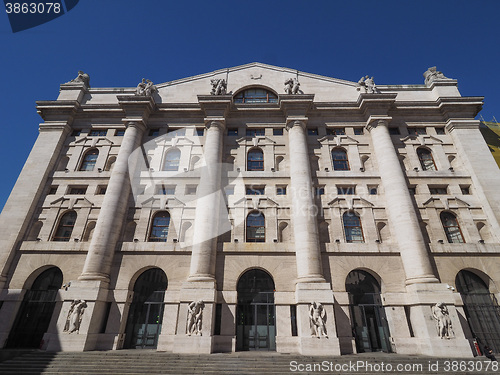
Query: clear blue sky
[119,42]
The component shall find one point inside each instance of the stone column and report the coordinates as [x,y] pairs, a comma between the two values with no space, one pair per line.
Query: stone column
[108,227]
[414,255]
[208,207]
[304,210]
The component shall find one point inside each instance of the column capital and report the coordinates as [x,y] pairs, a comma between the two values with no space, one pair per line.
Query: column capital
[216,123]
[291,122]
[136,108]
[374,121]
[136,124]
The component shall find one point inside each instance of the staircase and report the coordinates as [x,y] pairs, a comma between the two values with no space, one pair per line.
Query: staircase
[124,362]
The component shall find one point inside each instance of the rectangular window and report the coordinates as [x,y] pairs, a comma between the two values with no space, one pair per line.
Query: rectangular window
[191,189]
[52,190]
[256,132]
[232,132]
[101,190]
[75,133]
[346,190]
[417,131]
[254,190]
[120,132]
[394,131]
[438,190]
[465,189]
[154,132]
[278,131]
[280,190]
[98,133]
[440,131]
[312,131]
[77,190]
[166,190]
[358,131]
[200,132]
[229,190]
[319,190]
[335,131]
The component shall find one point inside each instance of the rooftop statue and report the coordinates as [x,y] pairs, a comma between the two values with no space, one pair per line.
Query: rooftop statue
[292,86]
[433,74]
[81,78]
[145,88]
[218,86]
[368,84]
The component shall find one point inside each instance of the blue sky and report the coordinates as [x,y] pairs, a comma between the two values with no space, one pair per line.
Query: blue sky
[119,42]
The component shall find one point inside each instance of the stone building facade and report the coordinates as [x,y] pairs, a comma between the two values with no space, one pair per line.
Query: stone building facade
[255,208]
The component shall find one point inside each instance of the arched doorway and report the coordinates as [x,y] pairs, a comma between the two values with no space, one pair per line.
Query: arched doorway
[481,308]
[36,310]
[146,311]
[369,323]
[255,321]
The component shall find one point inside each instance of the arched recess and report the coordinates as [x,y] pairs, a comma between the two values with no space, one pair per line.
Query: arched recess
[110,163]
[129,234]
[366,163]
[324,232]
[35,312]
[89,231]
[255,313]
[383,232]
[481,308]
[194,163]
[484,231]
[63,163]
[35,231]
[283,232]
[368,319]
[145,315]
[186,232]
[279,163]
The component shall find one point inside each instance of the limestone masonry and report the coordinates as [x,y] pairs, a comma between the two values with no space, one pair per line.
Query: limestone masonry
[255,208]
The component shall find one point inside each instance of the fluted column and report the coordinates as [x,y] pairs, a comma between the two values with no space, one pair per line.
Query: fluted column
[400,208]
[304,210]
[208,207]
[102,247]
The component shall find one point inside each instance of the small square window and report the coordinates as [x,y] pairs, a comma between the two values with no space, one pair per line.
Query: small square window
[76,133]
[52,190]
[372,190]
[154,132]
[280,190]
[120,132]
[278,131]
[255,132]
[319,190]
[77,190]
[229,190]
[312,131]
[200,132]
[254,190]
[394,131]
[346,190]
[417,131]
[442,190]
[232,132]
[358,131]
[101,190]
[465,190]
[191,189]
[166,190]
[440,131]
[98,133]
[335,131]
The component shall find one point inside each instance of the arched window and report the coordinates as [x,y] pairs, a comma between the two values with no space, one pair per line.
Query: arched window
[65,227]
[255,160]
[451,228]
[172,160]
[255,96]
[256,227]
[89,160]
[340,161]
[159,228]
[426,159]
[352,227]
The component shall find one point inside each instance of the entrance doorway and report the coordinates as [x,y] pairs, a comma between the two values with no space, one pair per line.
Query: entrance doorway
[369,323]
[255,314]
[481,308]
[36,310]
[146,311]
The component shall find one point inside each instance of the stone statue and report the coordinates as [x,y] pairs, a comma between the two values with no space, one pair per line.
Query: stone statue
[432,74]
[145,88]
[443,321]
[368,84]
[292,86]
[317,320]
[81,78]
[75,316]
[195,318]
[218,86]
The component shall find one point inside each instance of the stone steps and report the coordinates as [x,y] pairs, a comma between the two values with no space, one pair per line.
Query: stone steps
[126,362]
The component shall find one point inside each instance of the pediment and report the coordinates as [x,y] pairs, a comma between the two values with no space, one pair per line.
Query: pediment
[162,202]
[256,141]
[72,201]
[350,202]
[338,140]
[256,202]
[94,141]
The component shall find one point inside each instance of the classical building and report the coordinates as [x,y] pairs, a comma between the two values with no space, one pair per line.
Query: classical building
[255,208]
